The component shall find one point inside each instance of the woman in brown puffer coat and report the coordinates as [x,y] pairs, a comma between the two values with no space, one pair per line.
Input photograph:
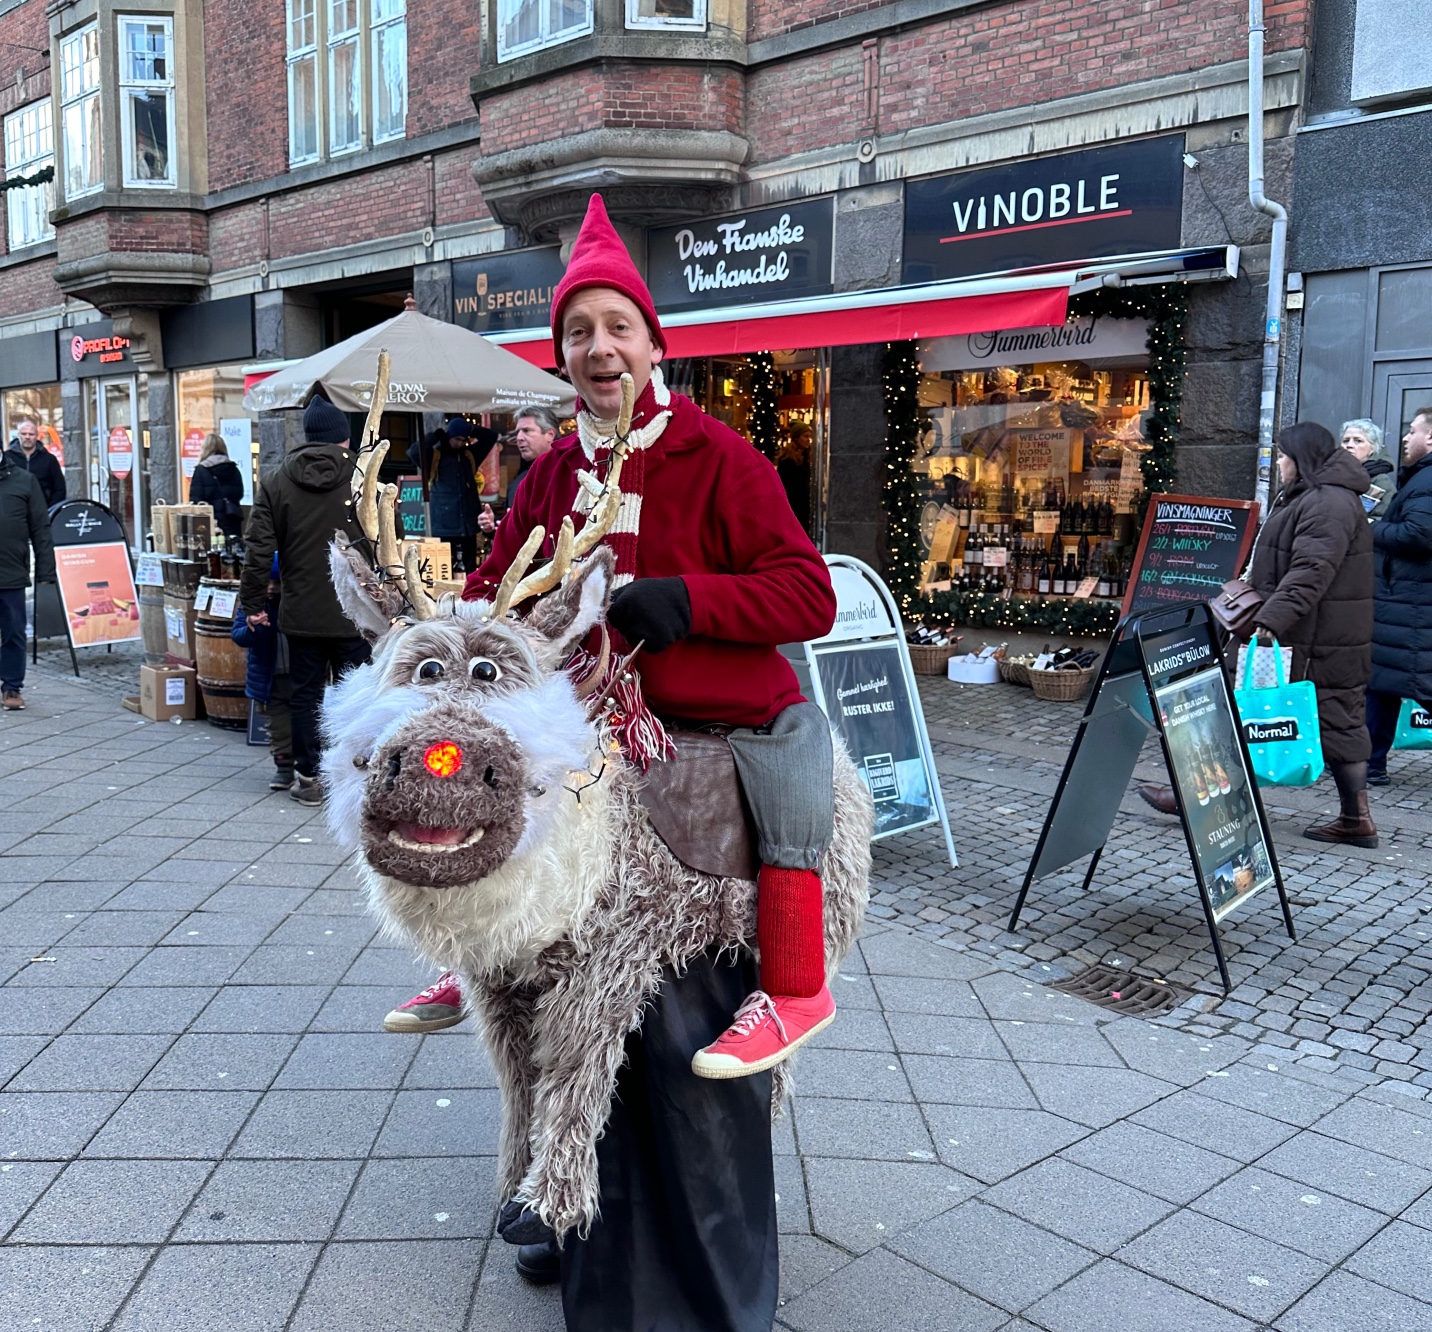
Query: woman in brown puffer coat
[1313,565]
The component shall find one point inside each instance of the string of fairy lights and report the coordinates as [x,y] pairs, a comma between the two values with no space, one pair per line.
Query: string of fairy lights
[761,425]
[1165,308]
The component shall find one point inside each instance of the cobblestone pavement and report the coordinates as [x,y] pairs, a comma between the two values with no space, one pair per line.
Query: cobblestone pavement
[200,1125]
[1353,993]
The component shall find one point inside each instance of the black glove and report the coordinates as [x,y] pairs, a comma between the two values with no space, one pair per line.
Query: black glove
[656,611]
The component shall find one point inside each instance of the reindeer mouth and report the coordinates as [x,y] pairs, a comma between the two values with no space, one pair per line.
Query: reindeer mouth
[422,837]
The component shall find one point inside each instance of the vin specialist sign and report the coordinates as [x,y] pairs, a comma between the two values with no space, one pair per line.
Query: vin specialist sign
[744,259]
[1123,199]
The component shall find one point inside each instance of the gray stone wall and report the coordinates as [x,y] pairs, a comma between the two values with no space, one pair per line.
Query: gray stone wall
[286,325]
[855,522]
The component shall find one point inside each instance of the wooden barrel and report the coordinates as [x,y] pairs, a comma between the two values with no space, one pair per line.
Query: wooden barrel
[221,663]
[151,623]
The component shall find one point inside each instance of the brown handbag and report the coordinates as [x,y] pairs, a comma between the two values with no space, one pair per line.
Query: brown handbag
[1235,607]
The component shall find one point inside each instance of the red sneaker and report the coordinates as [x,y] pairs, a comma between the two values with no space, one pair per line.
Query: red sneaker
[766,1030]
[439,1006]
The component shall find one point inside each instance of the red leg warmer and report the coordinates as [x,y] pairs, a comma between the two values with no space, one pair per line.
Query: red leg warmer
[790,928]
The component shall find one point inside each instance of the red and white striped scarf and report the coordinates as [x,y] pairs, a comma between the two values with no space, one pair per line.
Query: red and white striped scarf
[649,418]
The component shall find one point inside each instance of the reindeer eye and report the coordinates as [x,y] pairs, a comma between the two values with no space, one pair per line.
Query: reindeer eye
[429,670]
[488,672]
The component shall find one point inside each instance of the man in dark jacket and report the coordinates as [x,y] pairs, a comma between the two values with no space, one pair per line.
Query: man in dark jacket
[36,459]
[1402,597]
[24,525]
[455,486]
[295,515]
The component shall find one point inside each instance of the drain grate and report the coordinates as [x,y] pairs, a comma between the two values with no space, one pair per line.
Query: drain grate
[1123,991]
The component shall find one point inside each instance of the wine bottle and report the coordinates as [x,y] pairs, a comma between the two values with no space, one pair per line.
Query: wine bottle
[1083,556]
[1200,787]
[1071,575]
[1105,586]
[1046,577]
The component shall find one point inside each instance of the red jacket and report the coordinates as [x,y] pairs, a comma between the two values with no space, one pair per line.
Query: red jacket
[713,511]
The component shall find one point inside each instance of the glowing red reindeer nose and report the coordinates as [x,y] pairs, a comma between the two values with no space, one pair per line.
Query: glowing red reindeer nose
[442,759]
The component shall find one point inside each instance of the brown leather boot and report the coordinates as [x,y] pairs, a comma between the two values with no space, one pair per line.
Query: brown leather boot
[1159,797]
[1348,829]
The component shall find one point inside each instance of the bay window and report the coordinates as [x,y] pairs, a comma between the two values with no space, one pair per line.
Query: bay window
[524,26]
[146,91]
[79,112]
[349,57]
[29,148]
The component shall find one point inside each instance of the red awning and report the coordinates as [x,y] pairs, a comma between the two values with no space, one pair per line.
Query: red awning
[890,322]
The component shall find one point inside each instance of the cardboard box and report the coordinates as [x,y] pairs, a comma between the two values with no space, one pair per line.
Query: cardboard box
[185,530]
[166,692]
[436,560]
[179,621]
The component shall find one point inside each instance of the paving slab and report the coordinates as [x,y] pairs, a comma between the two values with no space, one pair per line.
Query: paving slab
[72,1288]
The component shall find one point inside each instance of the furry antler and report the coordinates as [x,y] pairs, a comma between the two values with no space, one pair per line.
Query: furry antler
[515,589]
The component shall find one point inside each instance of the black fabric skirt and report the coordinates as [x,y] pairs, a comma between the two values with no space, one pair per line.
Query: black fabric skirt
[686,1241]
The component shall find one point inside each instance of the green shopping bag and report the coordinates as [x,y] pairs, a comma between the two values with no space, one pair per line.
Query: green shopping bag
[1281,727]
[1414,727]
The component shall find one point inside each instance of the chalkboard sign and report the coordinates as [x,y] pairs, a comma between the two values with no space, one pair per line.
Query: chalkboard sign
[412,510]
[860,676]
[1163,673]
[1189,548]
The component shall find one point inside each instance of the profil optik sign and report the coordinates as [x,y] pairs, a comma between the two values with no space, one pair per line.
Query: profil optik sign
[1095,204]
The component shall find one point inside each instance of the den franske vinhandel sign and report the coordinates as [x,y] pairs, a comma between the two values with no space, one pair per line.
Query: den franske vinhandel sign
[743,259]
[1097,203]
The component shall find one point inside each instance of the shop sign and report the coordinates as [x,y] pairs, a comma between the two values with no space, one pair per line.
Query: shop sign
[93,349]
[120,453]
[1125,198]
[1190,546]
[506,291]
[96,587]
[742,259]
[237,432]
[1085,339]
[189,451]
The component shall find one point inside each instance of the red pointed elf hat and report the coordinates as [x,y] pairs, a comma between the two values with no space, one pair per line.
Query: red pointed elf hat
[599,259]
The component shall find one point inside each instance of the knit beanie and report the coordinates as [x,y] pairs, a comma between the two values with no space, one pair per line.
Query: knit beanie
[323,423]
[457,428]
[599,259]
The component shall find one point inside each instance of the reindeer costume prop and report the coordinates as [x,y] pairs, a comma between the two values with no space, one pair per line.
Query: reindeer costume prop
[502,832]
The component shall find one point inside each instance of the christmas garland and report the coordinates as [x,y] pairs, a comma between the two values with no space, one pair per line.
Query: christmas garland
[1085,617]
[42,177]
[761,424]
[1164,307]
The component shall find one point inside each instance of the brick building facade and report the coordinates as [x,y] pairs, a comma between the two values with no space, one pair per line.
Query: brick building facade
[239,184]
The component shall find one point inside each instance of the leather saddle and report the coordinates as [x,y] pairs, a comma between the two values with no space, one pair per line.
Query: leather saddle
[697,807]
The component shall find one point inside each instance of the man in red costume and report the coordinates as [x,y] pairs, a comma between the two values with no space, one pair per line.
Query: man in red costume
[713,571]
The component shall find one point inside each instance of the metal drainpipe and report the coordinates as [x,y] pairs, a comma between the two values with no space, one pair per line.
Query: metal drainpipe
[1277,255]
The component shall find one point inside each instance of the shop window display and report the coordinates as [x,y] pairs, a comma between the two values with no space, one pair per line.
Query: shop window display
[211,401]
[1029,478]
[776,400]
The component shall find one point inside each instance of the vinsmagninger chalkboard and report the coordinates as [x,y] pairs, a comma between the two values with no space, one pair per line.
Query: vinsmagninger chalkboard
[1189,548]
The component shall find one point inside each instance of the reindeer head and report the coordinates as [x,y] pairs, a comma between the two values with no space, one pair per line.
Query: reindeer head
[457,750]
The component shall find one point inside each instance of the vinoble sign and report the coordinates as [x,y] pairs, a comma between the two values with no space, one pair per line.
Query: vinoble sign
[747,258]
[1126,198]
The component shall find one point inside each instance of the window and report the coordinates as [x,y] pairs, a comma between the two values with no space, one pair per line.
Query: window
[524,26]
[146,91]
[345,78]
[29,147]
[349,57]
[302,81]
[79,110]
[390,69]
[666,14]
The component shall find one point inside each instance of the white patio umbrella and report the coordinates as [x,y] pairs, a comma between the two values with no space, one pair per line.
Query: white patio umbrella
[436,367]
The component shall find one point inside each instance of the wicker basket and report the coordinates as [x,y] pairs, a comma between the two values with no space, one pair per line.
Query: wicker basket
[1015,672]
[927,659]
[1062,686]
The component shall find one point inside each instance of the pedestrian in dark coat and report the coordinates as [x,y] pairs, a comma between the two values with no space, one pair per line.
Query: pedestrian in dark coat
[296,512]
[1402,630]
[218,483]
[35,458]
[1363,439]
[455,485]
[24,528]
[1313,565]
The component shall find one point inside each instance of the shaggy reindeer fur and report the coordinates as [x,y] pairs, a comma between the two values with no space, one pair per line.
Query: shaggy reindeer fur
[562,946]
